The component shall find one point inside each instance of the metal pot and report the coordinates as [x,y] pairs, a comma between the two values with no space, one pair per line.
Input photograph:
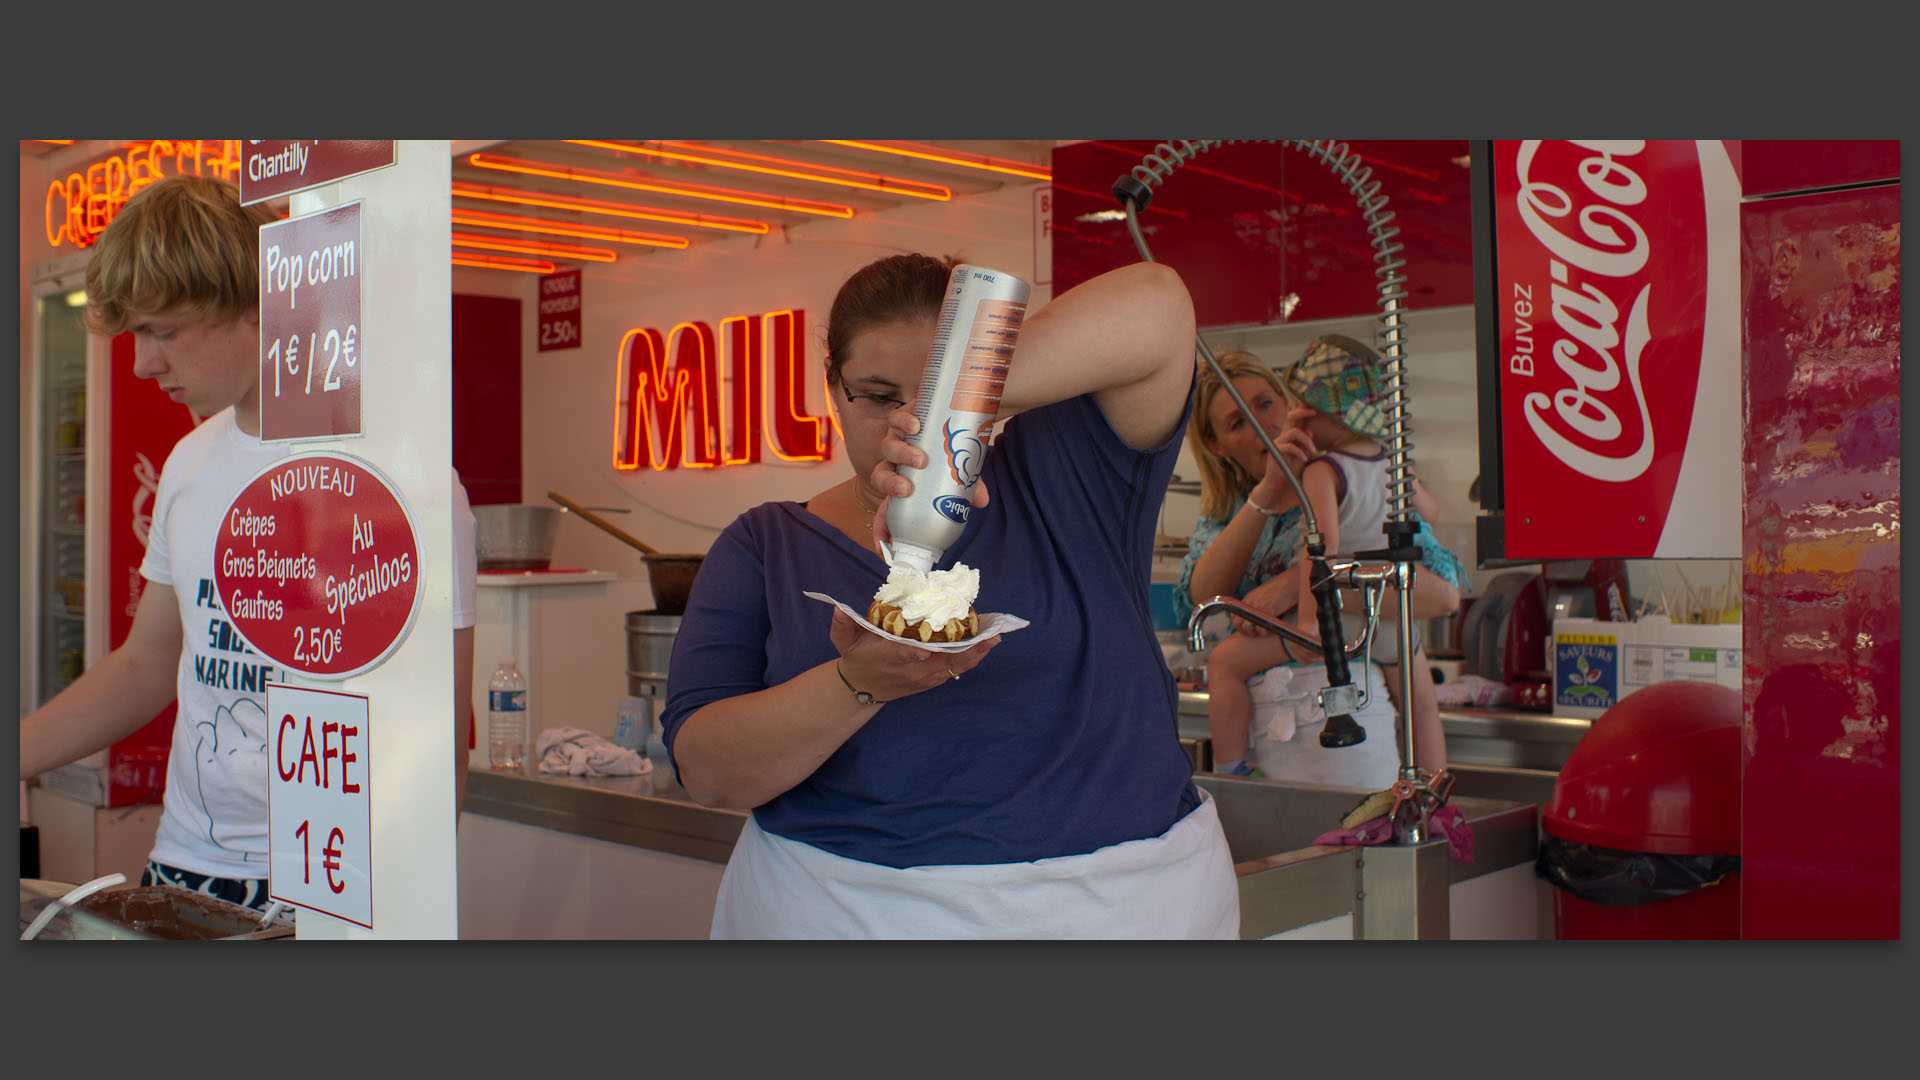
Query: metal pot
[515,536]
[669,575]
[649,649]
[671,578]
[142,911]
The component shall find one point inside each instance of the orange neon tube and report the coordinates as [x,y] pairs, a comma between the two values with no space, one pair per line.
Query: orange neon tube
[817,174]
[502,262]
[610,209]
[591,176]
[949,157]
[518,223]
[561,251]
[1218,175]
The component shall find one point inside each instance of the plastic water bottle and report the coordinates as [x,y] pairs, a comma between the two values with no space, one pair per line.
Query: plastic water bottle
[507,717]
[632,723]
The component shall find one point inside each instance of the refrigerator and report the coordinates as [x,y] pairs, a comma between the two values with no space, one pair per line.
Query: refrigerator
[94,438]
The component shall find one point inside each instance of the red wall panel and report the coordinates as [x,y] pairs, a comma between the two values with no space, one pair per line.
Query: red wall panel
[142,427]
[1777,166]
[1250,225]
[1821,750]
[486,397]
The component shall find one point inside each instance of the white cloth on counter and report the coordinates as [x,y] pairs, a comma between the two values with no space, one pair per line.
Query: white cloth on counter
[1472,690]
[579,752]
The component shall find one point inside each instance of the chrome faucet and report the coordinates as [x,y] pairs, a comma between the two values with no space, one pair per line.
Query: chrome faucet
[1418,792]
[1339,702]
[1207,608]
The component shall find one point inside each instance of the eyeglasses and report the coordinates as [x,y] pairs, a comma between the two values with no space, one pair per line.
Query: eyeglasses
[875,405]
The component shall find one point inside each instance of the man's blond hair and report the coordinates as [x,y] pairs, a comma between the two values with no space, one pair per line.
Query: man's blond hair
[184,246]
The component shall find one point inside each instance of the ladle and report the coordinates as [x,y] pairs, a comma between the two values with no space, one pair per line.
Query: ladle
[596,520]
[670,576]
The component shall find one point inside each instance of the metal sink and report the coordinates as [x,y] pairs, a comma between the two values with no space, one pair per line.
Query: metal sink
[1387,890]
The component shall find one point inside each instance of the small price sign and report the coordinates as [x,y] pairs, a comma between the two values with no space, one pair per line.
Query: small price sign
[319,810]
[1043,236]
[274,167]
[311,351]
[560,310]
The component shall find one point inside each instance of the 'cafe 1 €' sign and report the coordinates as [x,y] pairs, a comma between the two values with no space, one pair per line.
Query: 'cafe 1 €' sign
[270,168]
[319,809]
[310,345]
[318,565]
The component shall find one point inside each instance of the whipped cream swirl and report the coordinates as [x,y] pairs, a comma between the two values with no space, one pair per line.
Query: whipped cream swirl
[937,597]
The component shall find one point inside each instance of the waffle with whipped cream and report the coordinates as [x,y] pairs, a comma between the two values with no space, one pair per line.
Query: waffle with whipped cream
[935,606]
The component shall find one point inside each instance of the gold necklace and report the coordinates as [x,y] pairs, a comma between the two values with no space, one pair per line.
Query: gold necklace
[871,510]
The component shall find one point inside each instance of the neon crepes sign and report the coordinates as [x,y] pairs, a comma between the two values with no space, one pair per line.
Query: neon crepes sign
[668,391]
[80,205]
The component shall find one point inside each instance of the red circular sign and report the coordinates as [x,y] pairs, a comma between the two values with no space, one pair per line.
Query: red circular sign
[318,565]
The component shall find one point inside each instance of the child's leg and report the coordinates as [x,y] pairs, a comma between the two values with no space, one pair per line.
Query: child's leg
[1229,704]
[1429,738]
[1391,673]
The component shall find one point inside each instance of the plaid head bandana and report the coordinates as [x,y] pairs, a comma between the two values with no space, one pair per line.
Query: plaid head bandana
[1340,377]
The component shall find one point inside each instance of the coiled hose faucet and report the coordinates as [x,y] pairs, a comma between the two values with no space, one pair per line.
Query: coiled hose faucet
[1418,792]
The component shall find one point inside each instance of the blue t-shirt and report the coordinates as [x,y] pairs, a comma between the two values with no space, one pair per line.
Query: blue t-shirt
[1063,741]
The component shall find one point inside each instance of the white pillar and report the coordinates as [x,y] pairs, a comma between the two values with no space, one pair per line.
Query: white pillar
[406,415]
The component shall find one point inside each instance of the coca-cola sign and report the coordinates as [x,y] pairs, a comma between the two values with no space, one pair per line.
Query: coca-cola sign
[1618,270]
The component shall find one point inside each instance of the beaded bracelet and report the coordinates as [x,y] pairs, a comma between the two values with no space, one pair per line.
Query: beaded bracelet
[1264,512]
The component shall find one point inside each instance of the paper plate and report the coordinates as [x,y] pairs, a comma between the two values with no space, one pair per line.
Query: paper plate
[991,623]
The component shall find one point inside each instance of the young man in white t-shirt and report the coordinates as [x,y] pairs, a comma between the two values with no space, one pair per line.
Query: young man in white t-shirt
[178,267]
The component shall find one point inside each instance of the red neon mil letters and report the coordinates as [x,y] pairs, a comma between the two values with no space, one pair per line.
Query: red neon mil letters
[657,384]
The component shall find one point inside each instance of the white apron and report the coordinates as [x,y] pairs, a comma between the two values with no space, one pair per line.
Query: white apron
[1179,884]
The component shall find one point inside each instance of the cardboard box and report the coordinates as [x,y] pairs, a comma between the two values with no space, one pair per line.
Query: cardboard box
[1597,663]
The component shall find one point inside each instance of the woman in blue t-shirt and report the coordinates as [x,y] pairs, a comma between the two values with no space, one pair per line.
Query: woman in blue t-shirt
[1030,786]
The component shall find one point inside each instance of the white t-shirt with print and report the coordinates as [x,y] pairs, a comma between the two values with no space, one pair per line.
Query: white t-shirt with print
[213,817]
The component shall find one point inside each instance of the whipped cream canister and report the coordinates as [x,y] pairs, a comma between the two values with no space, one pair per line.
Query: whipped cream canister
[959,400]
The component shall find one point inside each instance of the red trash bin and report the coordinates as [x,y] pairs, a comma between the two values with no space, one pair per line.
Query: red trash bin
[1659,773]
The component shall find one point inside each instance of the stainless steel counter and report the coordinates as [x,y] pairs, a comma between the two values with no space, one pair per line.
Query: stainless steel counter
[1495,753]
[1285,882]
[1512,738]
[651,811]
[1388,890]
